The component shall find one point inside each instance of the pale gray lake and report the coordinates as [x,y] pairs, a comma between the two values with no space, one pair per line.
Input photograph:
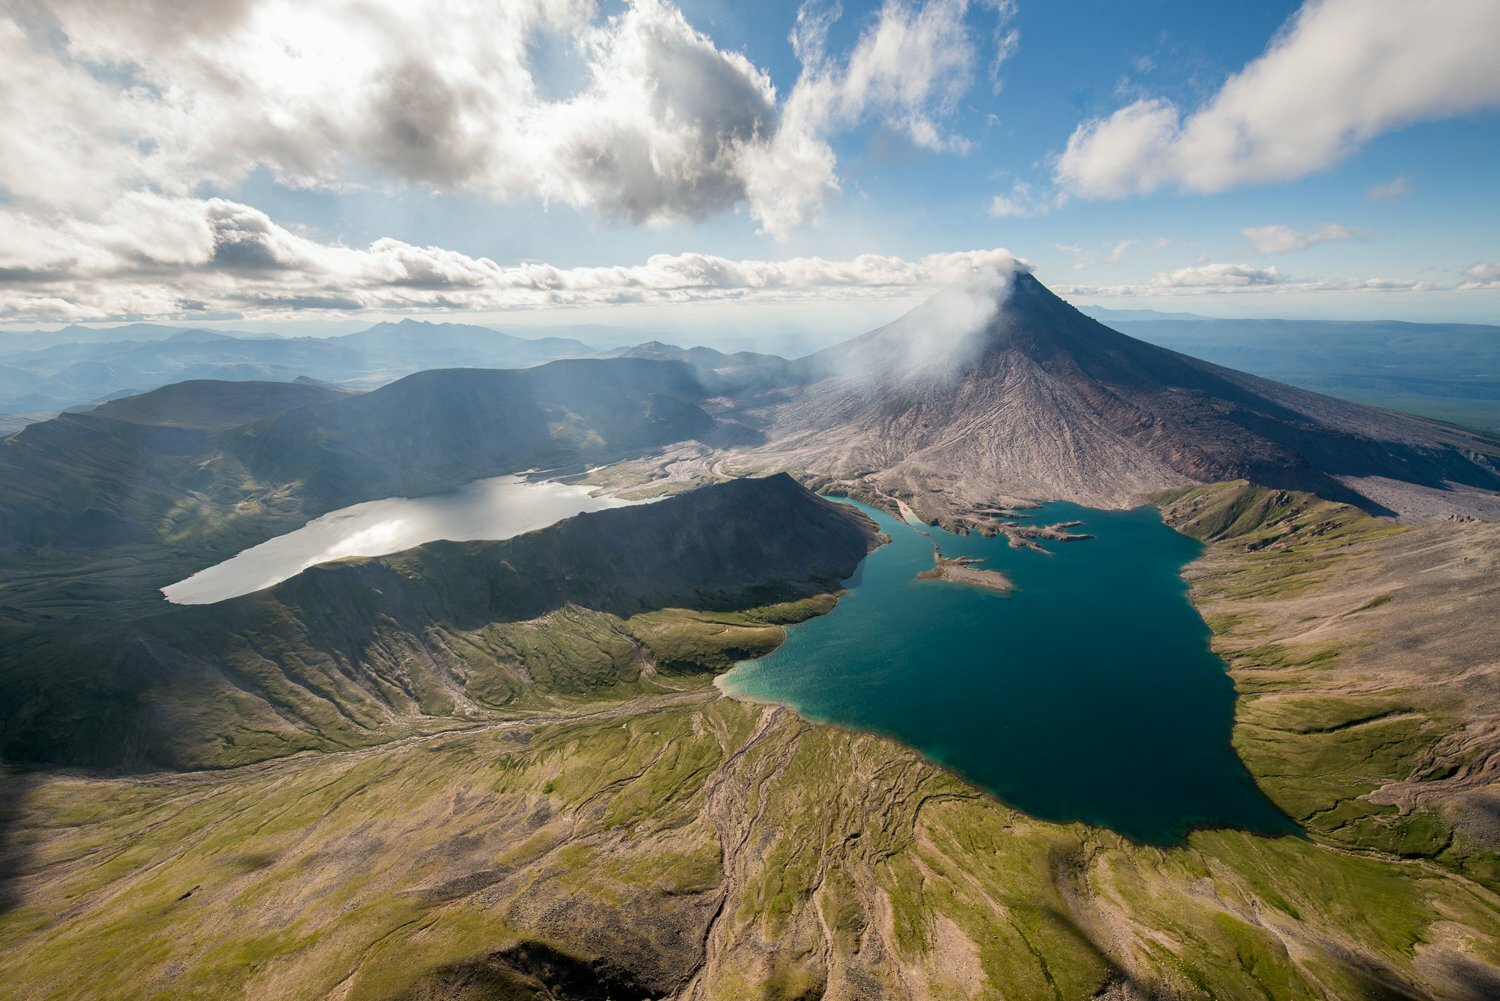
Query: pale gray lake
[496,508]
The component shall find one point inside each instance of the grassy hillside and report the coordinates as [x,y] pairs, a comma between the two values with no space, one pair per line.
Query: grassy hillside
[1363,652]
[690,846]
[611,827]
[88,481]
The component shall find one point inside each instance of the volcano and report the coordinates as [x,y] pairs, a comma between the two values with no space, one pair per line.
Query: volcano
[1002,392]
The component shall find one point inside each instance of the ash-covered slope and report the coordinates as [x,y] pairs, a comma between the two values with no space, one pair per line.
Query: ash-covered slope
[354,652]
[1009,392]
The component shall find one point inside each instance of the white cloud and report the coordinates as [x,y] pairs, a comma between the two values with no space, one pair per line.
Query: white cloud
[1484,275]
[152,255]
[1282,239]
[655,123]
[1003,207]
[1397,187]
[908,69]
[1339,74]
[1216,279]
[1022,202]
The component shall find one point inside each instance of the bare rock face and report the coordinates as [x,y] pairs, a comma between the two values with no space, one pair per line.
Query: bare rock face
[1009,393]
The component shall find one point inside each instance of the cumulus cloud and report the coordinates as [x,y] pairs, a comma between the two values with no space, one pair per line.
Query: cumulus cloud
[1282,239]
[653,121]
[153,255]
[908,70]
[1340,73]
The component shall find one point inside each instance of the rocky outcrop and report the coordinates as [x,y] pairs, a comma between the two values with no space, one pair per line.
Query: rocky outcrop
[962,570]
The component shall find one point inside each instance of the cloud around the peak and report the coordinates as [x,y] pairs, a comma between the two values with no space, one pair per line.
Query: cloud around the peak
[1340,73]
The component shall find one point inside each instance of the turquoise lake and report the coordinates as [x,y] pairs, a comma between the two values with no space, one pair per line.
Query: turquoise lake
[1088,693]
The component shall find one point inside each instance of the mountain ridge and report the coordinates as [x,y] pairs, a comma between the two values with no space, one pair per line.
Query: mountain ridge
[91,479]
[355,651]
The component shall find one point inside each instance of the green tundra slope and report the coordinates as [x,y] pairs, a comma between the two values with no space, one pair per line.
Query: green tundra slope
[1364,653]
[653,839]
[686,846]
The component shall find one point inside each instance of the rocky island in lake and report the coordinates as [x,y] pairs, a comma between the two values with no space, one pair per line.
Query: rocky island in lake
[966,570]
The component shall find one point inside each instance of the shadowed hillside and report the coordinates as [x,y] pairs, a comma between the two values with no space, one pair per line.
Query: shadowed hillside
[353,652]
[162,467]
[210,405]
[439,429]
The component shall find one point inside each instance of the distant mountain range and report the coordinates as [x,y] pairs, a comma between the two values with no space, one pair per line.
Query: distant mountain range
[1445,371]
[1037,402]
[1448,372]
[44,373]
[142,333]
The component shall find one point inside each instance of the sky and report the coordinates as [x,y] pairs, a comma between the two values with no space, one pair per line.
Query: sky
[714,166]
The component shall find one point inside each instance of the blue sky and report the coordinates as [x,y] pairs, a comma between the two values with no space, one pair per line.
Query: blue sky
[532,160]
